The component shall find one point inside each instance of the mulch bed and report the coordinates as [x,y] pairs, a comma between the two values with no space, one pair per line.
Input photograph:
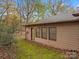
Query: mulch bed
[8,52]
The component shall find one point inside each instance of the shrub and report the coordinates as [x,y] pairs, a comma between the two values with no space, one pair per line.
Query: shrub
[8,27]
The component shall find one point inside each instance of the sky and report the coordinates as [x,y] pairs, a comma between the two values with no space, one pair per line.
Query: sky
[73,3]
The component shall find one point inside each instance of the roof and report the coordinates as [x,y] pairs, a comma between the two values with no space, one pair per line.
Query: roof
[57,19]
[77,14]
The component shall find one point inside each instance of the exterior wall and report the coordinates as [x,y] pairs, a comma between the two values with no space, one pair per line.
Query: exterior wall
[28,33]
[67,36]
[22,33]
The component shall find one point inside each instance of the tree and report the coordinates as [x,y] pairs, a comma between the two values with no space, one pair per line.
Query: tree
[31,9]
[10,24]
[58,6]
[26,8]
[7,30]
[36,9]
[39,9]
[6,6]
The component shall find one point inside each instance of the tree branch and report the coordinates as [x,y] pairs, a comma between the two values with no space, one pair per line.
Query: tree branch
[4,12]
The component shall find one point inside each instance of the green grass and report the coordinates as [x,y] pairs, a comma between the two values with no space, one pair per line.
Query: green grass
[26,50]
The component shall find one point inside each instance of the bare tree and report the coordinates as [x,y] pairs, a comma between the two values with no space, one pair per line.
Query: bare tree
[7,8]
[26,8]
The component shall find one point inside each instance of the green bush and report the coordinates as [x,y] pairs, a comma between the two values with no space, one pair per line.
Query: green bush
[7,31]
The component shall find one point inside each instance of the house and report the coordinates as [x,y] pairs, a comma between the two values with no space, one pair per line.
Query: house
[60,31]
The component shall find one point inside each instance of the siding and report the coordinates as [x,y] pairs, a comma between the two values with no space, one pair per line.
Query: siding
[67,36]
[28,31]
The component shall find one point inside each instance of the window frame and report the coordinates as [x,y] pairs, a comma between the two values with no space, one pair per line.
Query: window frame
[38,36]
[42,34]
[55,33]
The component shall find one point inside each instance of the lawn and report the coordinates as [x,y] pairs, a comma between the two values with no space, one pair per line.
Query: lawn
[28,50]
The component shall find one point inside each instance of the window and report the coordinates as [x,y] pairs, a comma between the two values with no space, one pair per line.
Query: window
[33,33]
[37,32]
[52,33]
[44,32]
